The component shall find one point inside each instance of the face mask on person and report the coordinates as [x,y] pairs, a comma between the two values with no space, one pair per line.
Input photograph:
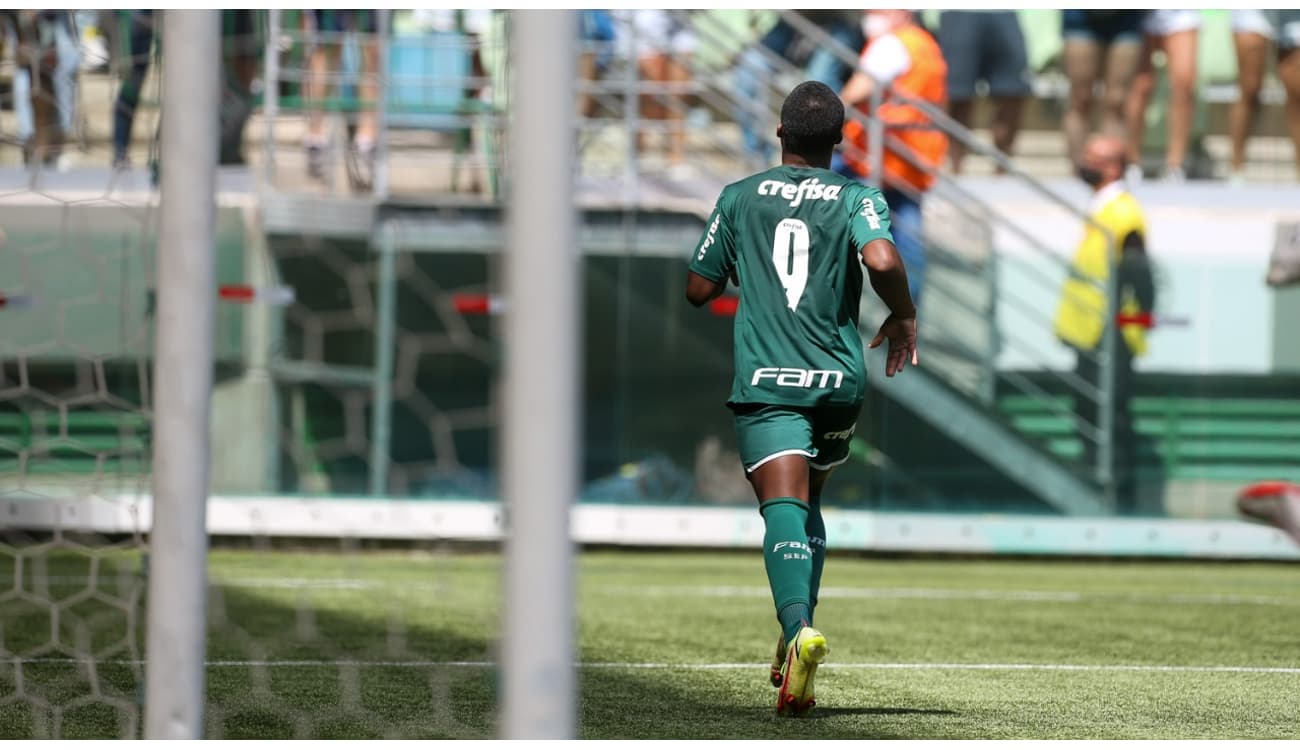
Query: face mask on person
[1089,175]
[874,25]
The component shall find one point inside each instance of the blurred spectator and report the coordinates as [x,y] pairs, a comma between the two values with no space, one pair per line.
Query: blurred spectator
[48,56]
[824,64]
[138,28]
[95,56]
[596,34]
[1105,44]
[755,69]
[902,57]
[1253,30]
[1085,312]
[467,28]
[663,44]
[473,24]
[323,65]
[987,46]
[1284,265]
[242,47]
[1174,32]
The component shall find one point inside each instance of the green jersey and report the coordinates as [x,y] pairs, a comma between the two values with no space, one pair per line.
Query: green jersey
[794,237]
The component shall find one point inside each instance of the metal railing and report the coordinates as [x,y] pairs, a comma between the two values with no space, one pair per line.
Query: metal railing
[969,204]
[965,293]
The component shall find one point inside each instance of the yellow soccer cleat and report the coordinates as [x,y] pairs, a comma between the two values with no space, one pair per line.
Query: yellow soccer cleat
[801,661]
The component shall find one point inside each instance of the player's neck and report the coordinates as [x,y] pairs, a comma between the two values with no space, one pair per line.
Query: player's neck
[789,159]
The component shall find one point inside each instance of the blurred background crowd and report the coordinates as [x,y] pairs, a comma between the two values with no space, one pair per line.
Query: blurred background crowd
[1197,94]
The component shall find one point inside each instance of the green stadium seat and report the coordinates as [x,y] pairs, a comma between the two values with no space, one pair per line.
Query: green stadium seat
[1220,439]
[111,442]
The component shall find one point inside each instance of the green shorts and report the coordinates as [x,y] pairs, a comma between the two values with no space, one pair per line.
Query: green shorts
[822,433]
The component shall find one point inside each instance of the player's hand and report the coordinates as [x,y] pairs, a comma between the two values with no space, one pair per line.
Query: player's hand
[901,333]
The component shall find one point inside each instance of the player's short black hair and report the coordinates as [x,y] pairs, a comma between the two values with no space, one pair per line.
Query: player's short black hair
[812,119]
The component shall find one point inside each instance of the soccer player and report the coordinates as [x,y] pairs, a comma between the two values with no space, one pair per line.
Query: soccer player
[791,238]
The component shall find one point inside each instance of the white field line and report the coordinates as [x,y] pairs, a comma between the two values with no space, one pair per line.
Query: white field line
[17,661]
[756,592]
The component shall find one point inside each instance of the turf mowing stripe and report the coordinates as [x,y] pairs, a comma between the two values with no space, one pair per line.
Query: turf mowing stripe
[665,665]
[830,592]
[963,594]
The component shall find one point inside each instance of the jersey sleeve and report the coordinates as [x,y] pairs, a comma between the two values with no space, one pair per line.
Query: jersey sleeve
[870,220]
[715,255]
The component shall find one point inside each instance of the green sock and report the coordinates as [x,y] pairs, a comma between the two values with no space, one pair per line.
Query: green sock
[816,530]
[788,561]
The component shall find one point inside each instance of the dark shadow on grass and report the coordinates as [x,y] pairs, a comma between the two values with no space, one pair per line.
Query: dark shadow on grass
[819,712]
[372,685]
[347,663]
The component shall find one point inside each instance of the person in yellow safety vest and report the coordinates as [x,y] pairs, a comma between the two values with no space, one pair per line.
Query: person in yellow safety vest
[1085,311]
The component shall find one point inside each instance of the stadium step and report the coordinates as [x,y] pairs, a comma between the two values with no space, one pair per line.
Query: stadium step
[74,442]
[992,439]
[1228,438]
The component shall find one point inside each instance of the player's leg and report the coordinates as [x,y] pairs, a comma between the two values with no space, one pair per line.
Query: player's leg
[775,443]
[815,528]
[833,429]
[781,485]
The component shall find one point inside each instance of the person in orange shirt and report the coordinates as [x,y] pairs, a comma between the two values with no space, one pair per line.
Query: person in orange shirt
[906,59]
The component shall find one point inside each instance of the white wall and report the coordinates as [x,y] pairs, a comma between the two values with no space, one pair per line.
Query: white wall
[1211,245]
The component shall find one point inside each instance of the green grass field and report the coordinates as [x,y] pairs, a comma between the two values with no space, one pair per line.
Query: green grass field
[675,645]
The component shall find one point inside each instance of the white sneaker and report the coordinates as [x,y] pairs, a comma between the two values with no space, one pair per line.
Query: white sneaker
[1174,176]
[94,51]
[1133,174]
[1236,180]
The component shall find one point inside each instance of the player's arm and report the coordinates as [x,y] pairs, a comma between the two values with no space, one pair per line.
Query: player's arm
[714,260]
[869,229]
[700,290]
[888,277]
[889,280]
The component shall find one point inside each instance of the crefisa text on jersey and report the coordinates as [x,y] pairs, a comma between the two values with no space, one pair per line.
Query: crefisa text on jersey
[810,189]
